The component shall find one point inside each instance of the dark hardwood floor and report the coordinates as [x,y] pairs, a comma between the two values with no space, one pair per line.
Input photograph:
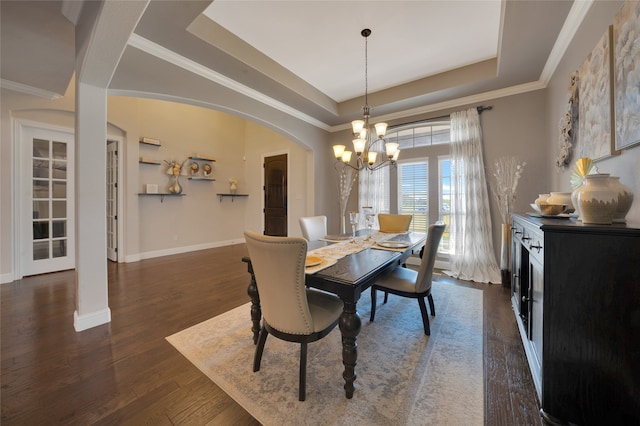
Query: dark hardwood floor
[126,373]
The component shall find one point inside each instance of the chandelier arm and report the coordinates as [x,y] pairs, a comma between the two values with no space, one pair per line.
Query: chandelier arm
[383,164]
[343,165]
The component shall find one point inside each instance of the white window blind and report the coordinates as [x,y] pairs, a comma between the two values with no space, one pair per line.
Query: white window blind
[413,193]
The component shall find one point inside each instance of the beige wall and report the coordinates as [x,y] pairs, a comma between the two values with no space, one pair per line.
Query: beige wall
[198,219]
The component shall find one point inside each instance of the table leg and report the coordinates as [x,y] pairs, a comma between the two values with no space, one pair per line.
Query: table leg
[349,327]
[256,310]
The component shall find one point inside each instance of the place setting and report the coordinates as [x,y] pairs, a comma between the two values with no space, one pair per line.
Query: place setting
[315,264]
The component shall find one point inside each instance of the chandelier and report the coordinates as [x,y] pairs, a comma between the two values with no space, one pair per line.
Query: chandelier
[367,139]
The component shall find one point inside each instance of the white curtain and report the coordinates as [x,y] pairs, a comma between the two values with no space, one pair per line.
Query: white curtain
[373,191]
[472,257]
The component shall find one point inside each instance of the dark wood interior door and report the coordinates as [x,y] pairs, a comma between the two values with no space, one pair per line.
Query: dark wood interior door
[275,195]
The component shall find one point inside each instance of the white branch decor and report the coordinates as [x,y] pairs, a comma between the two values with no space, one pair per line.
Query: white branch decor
[507,173]
[346,178]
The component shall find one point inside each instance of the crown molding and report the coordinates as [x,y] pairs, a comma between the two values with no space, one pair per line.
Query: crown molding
[167,55]
[576,15]
[29,90]
[574,19]
[453,103]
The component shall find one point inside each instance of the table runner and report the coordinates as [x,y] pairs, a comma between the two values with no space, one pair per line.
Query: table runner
[332,253]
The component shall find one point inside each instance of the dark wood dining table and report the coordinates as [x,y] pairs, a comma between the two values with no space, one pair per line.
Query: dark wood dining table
[348,278]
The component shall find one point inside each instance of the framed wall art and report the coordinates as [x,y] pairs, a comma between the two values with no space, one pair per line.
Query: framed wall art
[626,74]
[596,138]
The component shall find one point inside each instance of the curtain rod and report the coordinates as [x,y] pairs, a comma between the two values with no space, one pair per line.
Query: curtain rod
[480,109]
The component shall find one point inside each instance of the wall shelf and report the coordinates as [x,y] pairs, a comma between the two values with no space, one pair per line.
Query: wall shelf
[203,167]
[233,196]
[150,141]
[161,195]
[149,161]
[200,157]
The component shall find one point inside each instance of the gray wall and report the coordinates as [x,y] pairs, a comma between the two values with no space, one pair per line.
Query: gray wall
[625,165]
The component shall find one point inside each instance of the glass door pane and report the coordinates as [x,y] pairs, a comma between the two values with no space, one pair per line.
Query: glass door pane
[47,178]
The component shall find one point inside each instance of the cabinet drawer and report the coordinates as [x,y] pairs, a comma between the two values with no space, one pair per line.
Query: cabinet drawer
[536,247]
[530,236]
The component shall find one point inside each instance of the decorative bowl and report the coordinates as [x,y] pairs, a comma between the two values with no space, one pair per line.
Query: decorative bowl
[549,209]
[561,198]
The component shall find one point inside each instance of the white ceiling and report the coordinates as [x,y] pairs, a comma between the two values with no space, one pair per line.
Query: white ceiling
[320,41]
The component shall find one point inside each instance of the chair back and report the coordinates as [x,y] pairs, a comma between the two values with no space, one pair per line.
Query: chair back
[425,273]
[313,227]
[279,267]
[394,223]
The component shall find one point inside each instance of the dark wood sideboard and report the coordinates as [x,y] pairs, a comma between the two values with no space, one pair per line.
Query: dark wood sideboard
[576,294]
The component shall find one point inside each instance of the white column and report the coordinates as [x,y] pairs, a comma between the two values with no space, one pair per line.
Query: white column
[92,304]
[102,31]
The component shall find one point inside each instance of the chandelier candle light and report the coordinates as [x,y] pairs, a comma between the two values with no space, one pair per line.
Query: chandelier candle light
[365,142]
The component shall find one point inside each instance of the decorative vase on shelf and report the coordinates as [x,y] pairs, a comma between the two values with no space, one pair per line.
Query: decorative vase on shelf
[597,199]
[574,201]
[625,199]
[233,188]
[175,187]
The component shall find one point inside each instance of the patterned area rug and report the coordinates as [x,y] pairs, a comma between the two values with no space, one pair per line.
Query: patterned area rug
[403,376]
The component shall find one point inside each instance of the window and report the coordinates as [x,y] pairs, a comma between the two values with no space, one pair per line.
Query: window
[421,184]
[413,193]
[417,135]
[424,176]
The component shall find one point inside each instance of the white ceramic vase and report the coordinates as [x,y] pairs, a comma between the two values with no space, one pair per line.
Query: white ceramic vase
[574,200]
[625,199]
[598,201]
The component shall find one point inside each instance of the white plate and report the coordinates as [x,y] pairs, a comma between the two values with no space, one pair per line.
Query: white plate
[313,261]
[393,244]
[551,216]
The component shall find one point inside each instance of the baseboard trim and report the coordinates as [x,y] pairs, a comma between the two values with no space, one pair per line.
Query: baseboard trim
[180,250]
[6,278]
[94,319]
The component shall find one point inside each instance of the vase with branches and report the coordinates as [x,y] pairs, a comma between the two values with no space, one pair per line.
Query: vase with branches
[508,171]
[346,178]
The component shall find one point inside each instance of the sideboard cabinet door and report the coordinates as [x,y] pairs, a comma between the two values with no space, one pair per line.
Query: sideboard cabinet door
[590,327]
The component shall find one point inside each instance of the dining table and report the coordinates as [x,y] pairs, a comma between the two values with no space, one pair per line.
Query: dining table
[347,277]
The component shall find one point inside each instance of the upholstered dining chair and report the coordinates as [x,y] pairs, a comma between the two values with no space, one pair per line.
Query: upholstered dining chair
[406,282]
[313,227]
[290,311]
[394,223]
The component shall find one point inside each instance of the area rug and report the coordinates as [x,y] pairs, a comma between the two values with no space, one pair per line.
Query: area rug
[403,376]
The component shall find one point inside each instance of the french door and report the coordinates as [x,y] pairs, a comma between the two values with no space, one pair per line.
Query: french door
[47,228]
[112,200]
